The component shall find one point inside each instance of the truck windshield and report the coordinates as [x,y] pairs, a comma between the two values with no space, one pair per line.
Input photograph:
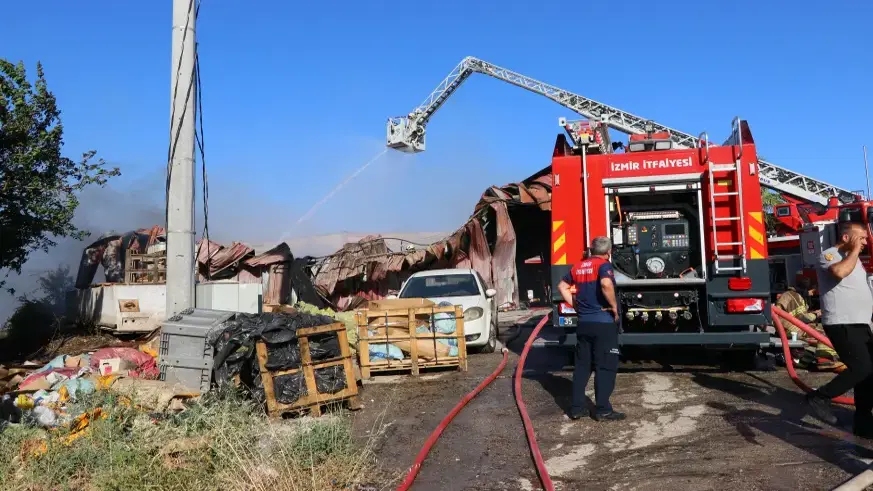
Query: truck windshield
[450,285]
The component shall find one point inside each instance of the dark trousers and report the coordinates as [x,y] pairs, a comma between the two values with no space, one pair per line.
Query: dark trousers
[597,348]
[854,344]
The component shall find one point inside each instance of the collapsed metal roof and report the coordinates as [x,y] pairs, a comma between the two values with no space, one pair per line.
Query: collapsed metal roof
[362,269]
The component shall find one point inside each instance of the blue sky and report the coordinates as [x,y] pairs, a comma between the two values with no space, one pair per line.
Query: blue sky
[296,94]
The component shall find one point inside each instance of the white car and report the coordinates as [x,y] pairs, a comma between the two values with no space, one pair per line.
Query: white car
[464,287]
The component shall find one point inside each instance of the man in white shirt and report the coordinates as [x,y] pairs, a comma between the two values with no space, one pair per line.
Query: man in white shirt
[847,308]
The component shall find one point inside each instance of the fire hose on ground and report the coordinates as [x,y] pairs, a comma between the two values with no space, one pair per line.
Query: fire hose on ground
[862,480]
[543,473]
[531,437]
[778,316]
[419,459]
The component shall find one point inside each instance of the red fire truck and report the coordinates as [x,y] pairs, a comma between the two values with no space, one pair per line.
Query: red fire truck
[685,216]
[689,240]
[822,234]
[804,229]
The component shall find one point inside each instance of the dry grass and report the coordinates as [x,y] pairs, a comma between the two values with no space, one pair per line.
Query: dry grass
[221,443]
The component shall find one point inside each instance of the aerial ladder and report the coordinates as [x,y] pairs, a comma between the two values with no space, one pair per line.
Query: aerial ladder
[407,133]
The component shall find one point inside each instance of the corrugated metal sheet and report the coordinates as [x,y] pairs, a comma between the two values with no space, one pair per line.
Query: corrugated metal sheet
[503,260]
[350,261]
[279,254]
[237,262]
[278,288]
[478,251]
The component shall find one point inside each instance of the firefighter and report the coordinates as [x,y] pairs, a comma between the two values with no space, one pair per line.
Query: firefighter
[597,330]
[815,355]
[847,307]
[795,303]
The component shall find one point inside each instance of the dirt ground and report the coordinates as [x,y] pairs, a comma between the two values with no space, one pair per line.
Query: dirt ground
[689,427]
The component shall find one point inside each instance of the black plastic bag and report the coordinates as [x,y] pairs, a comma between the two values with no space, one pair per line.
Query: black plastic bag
[286,356]
[235,354]
[289,388]
[330,380]
[324,347]
[283,356]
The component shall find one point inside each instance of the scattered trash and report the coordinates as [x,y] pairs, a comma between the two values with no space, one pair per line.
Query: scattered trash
[44,416]
[44,395]
[10,378]
[142,365]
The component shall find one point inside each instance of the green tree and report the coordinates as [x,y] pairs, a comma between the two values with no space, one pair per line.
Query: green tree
[38,186]
[769,200]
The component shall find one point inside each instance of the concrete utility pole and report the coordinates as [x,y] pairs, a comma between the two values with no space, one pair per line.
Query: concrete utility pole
[180,199]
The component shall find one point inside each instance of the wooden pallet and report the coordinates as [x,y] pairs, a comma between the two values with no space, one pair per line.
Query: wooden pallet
[313,401]
[278,308]
[146,268]
[413,316]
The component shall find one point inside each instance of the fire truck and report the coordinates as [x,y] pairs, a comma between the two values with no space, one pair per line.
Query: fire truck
[803,231]
[689,240]
[685,216]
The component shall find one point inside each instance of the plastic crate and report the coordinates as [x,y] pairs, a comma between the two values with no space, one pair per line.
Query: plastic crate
[186,358]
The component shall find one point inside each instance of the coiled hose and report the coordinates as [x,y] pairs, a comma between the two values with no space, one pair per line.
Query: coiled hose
[778,315]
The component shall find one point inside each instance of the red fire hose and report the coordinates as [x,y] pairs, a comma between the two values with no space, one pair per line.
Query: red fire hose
[543,473]
[789,360]
[528,426]
[419,459]
[545,479]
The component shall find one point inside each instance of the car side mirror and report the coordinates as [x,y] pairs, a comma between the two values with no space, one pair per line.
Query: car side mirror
[490,293]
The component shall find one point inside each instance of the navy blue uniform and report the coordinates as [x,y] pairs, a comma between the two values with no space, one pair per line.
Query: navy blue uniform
[596,335]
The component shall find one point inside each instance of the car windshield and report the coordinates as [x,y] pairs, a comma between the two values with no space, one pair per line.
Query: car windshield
[450,285]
